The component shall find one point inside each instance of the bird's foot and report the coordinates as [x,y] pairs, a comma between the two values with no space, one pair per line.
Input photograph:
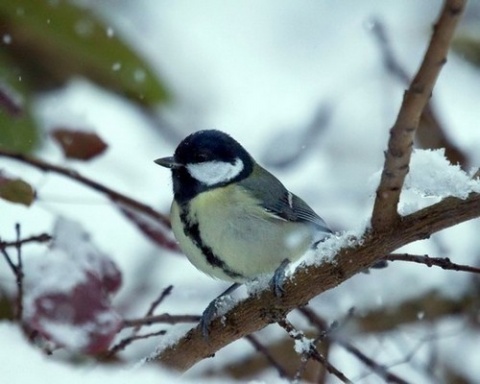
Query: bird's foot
[209,313]
[278,279]
[207,317]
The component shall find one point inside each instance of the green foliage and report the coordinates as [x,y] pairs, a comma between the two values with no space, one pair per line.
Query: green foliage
[46,43]
[18,131]
[468,47]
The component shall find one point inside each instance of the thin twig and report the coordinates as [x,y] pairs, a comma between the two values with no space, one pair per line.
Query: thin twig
[159,300]
[42,238]
[442,262]
[74,175]
[9,261]
[17,270]
[323,331]
[430,133]
[19,275]
[379,369]
[265,352]
[154,305]
[312,352]
[138,325]
[161,319]
[316,321]
[128,340]
[390,62]
[397,158]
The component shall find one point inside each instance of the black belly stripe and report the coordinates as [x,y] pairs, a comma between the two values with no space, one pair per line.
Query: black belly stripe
[192,231]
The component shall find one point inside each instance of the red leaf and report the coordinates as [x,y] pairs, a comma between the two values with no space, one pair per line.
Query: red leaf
[79,145]
[153,229]
[80,319]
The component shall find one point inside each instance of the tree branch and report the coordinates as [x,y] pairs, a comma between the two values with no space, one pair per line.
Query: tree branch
[442,262]
[311,352]
[397,158]
[430,132]
[145,218]
[257,312]
[113,195]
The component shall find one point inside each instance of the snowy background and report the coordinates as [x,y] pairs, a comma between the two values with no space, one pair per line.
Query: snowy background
[261,71]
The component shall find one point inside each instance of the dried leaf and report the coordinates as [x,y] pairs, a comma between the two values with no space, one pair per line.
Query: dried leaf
[79,145]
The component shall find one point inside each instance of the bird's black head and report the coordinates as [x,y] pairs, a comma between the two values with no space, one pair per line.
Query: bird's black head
[205,160]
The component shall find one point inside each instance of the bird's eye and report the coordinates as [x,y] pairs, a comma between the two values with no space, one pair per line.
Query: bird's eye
[201,157]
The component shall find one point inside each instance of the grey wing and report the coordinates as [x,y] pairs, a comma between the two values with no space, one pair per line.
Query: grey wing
[303,212]
[277,200]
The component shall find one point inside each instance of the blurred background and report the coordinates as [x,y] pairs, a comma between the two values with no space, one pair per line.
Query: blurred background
[310,88]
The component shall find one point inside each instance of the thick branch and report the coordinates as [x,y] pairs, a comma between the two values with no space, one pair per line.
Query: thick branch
[397,158]
[257,312]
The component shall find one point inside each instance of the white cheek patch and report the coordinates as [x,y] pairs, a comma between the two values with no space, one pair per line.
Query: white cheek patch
[215,172]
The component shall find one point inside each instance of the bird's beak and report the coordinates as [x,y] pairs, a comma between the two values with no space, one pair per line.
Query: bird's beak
[168,162]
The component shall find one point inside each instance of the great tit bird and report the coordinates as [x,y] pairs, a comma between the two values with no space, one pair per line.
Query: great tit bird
[232,218]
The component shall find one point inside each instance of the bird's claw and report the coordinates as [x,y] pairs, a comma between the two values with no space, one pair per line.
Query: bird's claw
[207,318]
[278,279]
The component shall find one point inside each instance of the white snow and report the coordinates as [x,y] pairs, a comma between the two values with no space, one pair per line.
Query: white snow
[431,178]
[42,367]
[303,345]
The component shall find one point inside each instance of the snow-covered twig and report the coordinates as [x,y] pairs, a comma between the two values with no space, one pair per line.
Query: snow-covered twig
[397,157]
[307,350]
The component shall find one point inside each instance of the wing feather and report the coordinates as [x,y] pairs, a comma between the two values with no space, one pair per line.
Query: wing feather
[278,201]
